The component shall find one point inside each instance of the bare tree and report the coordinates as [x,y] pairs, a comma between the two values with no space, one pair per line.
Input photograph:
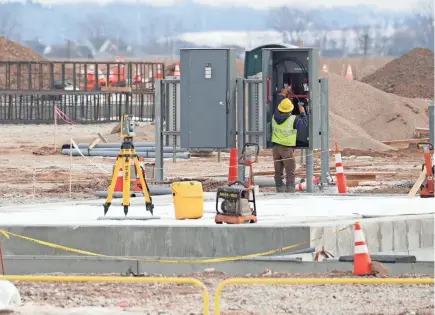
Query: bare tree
[290,22]
[163,39]
[424,23]
[9,26]
[148,31]
[100,27]
[363,39]
[344,42]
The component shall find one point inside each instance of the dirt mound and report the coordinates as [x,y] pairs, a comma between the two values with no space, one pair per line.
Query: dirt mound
[363,116]
[16,77]
[349,135]
[411,75]
[11,51]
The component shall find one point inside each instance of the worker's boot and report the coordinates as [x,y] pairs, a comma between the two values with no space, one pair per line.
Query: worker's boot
[279,184]
[290,187]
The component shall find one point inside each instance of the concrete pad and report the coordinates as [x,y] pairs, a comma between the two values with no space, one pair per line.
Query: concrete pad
[398,223]
[290,211]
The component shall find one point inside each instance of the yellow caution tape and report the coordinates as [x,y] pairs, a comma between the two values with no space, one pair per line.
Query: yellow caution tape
[167,261]
[4,233]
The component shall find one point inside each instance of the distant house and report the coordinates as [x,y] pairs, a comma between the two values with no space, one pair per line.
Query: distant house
[108,48]
[67,51]
[84,52]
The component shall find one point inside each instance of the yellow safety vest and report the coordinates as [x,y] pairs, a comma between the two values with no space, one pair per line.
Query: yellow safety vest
[284,134]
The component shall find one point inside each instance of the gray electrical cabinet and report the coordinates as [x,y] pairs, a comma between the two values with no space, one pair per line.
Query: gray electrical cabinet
[207,108]
[297,68]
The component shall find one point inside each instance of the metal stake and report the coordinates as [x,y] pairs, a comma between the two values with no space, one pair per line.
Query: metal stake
[324,110]
[158,131]
[310,170]
[240,126]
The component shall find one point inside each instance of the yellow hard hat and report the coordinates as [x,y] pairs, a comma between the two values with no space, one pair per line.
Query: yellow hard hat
[286,106]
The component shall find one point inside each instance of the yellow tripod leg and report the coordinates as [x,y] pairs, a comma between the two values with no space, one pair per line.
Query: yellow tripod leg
[112,184]
[126,184]
[146,192]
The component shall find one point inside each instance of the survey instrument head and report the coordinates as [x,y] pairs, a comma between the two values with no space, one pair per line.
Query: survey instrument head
[127,126]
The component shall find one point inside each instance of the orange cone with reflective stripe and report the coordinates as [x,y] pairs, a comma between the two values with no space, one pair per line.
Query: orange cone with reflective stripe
[159,74]
[177,72]
[349,74]
[362,263]
[339,172]
[303,186]
[119,180]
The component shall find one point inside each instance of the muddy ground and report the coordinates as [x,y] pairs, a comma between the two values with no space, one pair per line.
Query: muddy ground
[32,165]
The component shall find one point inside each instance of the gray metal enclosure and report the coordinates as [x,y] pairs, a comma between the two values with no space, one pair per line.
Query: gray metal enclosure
[279,63]
[250,128]
[201,109]
[207,116]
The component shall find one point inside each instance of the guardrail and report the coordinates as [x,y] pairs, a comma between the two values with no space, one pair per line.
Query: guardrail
[192,281]
[315,281]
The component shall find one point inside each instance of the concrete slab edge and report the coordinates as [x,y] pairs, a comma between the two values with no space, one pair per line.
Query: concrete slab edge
[95,265]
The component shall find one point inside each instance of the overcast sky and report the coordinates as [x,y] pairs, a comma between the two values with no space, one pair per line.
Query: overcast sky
[384,4]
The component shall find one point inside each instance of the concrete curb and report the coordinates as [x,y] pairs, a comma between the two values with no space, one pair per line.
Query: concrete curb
[16,265]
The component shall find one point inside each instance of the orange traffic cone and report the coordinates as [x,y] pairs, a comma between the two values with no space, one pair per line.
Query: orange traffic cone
[177,72]
[137,185]
[362,263]
[339,172]
[349,74]
[232,169]
[159,74]
[303,186]
[325,68]
[118,184]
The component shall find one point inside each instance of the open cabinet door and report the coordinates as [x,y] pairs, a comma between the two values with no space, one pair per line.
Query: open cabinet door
[267,69]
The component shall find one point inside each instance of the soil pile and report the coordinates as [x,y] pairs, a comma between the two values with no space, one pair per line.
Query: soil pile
[362,116]
[16,77]
[411,75]
[11,51]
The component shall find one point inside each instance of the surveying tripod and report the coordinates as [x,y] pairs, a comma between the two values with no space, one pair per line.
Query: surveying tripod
[126,154]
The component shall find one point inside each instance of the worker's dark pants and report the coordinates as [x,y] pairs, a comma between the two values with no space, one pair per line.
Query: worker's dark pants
[283,159]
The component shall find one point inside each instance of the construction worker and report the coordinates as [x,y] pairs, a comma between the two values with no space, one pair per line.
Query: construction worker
[284,132]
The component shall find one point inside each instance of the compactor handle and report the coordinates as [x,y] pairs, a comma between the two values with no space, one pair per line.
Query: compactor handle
[245,148]
[236,182]
[422,145]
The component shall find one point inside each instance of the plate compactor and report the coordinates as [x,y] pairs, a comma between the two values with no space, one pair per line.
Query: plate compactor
[427,187]
[235,202]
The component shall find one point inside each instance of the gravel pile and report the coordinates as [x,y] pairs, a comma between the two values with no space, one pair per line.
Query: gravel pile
[411,75]
[363,116]
[11,51]
[153,299]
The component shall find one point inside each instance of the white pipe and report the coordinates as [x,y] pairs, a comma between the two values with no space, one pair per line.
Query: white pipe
[146,154]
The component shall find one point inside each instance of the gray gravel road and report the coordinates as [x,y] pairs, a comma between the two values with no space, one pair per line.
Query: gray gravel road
[159,299]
